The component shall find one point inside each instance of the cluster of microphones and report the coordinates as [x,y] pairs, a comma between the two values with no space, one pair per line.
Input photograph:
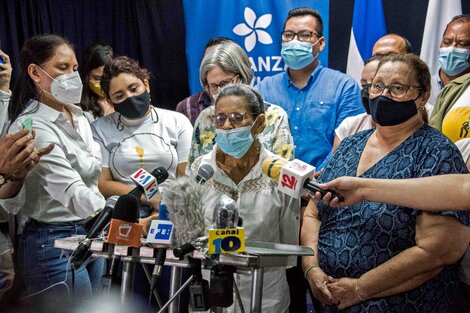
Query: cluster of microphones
[182,225]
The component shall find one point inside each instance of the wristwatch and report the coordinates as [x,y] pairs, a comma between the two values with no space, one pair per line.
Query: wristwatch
[3,179]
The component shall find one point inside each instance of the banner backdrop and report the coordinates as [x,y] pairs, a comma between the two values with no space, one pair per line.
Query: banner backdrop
[255,25]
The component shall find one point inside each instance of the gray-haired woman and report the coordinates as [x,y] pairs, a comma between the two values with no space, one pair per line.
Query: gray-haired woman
[268,215]
[227,63]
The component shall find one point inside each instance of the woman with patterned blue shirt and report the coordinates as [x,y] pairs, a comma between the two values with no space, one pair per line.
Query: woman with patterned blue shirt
[374,257]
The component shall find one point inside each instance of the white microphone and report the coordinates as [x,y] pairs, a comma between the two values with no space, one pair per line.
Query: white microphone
[147,183]
[295,178]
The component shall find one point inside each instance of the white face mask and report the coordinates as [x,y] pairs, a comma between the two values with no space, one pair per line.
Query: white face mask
[66,88]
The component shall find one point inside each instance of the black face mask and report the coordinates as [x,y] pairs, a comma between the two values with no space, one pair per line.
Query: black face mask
[134,107]
[365,99]
[388,112]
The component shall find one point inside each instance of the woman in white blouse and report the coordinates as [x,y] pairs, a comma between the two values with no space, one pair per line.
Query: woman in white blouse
[268,214]
[137,135]
[61,193]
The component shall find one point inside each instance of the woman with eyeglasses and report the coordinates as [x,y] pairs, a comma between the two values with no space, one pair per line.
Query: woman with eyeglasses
[378,257]
[354,124]
[268,215]
[227,63]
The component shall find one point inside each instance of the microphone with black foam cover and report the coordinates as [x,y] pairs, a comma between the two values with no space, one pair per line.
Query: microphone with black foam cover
[83,250]
[294,177]
[204,173]
[124,228]
[183,199]
[125,214]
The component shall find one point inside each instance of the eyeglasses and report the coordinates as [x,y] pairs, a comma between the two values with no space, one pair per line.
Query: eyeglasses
[396,90]
[213,88]
[366,86]
[303,35]
[236,118]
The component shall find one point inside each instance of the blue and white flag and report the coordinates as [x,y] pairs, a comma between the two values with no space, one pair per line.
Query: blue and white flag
[438,16]
[367,27]
[255,25]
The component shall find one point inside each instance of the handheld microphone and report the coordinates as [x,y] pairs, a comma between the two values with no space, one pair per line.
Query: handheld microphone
[126,209]
[294,177]
[83,250]
[147,183]
[124,229]
[204,173]
[160,257]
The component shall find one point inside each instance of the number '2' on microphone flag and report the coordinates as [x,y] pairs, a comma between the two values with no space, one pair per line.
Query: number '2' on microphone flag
[367,27]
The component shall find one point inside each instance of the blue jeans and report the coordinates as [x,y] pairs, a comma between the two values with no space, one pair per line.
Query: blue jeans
[41,265]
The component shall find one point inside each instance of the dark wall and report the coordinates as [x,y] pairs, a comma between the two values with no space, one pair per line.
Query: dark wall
[150,31]
[153,32]
[403,17]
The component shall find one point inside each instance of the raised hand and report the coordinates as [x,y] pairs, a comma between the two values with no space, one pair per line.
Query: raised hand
[5,72]
[19,154]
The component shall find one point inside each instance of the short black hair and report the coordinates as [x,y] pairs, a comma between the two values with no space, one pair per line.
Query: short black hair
[461,18]
[216,41]
[307,11]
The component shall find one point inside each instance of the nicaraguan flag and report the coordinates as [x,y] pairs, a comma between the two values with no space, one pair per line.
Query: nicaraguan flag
[367,27]
[438,16]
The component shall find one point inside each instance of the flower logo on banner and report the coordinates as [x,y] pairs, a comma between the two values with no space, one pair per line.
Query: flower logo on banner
[253,29]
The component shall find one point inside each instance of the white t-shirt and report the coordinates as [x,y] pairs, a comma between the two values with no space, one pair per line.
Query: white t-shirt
[353,124]
[161,138]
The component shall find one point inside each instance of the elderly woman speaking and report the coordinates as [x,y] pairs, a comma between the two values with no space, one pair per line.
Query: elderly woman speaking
[374,257]
[268,215]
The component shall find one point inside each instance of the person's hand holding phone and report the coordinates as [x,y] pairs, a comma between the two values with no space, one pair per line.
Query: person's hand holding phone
[5,71]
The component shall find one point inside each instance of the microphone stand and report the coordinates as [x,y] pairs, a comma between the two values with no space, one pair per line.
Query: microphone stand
[110,281]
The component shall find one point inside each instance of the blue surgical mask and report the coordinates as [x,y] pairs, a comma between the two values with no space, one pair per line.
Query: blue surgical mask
[453,60]
[297,54]
[234,142]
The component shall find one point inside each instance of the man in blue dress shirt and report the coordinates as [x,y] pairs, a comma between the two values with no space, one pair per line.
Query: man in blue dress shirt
[316,98]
